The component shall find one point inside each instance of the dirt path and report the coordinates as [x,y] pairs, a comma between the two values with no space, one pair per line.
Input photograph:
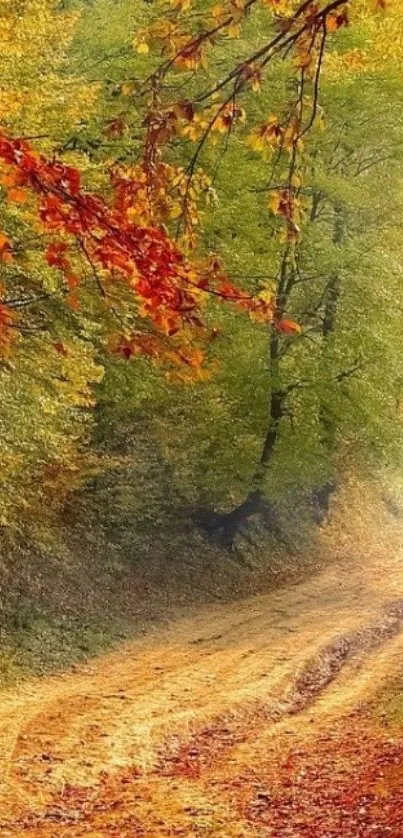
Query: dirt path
[155,739]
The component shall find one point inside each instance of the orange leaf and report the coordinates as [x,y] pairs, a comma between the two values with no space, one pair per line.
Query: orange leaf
[72,281]
[9,179]
[288,327]
[73,302]
[18,195]
[4,241]
[335,20]
[5,249]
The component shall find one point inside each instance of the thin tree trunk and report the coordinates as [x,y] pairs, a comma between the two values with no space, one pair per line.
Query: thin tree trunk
[275,414]
[322,495]
[227,525]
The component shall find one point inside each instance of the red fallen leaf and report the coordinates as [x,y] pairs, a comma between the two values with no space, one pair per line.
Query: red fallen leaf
[60,348]
[288,327]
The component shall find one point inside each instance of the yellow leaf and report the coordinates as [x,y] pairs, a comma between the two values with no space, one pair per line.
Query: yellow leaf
[266,295]
[217,12]
[234,30]
[141,46]
[176,211]
[128,89]
[274,202]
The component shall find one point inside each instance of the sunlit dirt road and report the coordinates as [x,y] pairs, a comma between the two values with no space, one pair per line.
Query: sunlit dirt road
[242,720]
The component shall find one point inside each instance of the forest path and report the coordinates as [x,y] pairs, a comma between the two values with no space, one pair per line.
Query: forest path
[153,739]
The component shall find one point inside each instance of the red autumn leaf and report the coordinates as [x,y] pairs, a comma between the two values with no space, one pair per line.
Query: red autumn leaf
[7,316]
[72,281]
[288,327]
[55,254]
[60,348]
[228,291]
[165,285]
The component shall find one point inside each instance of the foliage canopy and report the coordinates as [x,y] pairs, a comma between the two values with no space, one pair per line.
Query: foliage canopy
[181,165]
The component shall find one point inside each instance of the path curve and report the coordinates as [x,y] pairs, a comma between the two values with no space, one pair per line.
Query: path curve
[277,665]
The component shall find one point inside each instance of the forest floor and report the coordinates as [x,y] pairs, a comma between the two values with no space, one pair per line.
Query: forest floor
[253,719]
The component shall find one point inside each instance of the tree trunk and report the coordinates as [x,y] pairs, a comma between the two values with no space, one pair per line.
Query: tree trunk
[226,525]
[322,495]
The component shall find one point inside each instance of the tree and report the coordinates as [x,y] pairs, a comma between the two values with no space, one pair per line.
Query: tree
[47,365]
[324,379]
[126,250]
[125,240]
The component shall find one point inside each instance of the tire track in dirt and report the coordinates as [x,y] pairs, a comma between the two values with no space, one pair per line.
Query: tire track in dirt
[217,684]
[319,673]
[213,741]
[192,760]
